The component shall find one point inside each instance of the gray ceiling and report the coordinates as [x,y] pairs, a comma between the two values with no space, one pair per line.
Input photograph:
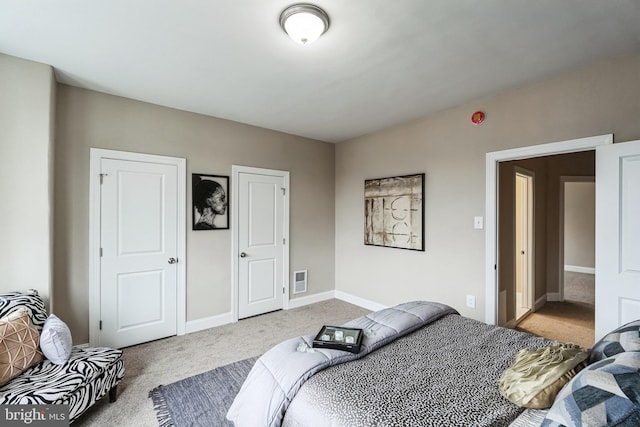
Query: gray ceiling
[381,63]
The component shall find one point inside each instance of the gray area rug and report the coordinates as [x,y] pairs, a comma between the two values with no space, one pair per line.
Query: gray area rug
[202,400]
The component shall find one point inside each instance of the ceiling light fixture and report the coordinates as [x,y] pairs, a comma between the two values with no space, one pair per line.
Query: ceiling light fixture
[304,22]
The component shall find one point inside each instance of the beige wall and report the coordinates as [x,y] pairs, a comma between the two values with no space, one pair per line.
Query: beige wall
[326,182]
[89,119]
[27,94]
[602,98]
[580,224]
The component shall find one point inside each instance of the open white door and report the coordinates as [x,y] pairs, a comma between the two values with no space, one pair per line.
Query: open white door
[617,235]
[524,242]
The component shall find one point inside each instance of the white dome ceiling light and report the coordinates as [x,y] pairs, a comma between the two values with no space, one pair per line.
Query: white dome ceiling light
[304,22]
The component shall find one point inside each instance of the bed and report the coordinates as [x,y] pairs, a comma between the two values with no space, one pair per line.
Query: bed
[440,372]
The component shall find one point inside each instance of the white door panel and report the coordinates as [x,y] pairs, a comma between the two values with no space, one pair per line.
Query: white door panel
[134,287]
[261,232]
[261,208]
[138,237]
[617,235]
[262,274]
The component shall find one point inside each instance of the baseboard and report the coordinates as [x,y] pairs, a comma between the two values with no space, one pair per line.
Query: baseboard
[540,302]
[361,302]
[226,318]
[85,345]
[578,269]
[223,319]
[208,322]
[311,299]
[553,296]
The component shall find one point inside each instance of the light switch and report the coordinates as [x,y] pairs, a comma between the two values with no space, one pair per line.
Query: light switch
[478,222]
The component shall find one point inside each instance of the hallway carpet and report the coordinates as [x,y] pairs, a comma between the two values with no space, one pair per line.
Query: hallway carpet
[570,321]
[563,321]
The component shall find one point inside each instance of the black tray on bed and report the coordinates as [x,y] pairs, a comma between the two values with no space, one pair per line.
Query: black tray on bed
[339,338]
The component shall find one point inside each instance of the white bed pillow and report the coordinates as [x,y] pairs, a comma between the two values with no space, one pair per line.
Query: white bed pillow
[55,340]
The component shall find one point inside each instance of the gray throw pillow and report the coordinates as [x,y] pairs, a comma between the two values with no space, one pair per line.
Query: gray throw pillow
[623,338]
[605,393]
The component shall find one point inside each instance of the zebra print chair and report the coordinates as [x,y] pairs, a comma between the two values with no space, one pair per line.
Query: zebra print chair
[88,375]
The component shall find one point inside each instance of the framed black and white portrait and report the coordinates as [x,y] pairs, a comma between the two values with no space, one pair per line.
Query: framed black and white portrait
[210,196]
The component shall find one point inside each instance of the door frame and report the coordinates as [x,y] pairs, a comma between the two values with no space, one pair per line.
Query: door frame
[563,181]
[492,162]
[531,238]
[95,158]
[235,233]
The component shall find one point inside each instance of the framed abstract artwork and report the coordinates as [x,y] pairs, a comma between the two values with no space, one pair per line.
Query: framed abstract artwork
[394,212]
[210,196]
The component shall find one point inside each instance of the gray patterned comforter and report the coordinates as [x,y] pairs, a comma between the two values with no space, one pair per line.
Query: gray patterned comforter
[279,373]
[444,374]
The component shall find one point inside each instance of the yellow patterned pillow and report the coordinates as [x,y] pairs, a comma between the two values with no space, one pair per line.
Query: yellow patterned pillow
[19,341]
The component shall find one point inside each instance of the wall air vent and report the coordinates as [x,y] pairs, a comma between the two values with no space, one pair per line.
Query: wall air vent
[300,278]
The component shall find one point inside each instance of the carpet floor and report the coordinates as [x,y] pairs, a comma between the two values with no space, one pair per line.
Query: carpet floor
[169,360]
[572,320]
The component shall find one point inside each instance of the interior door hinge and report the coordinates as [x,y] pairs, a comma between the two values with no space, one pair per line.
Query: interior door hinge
[101,252]
[284,241]
[284,190]
[102,175]
[283,290]
[101,325]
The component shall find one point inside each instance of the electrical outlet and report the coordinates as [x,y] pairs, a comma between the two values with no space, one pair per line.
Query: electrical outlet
[478,222]
[471,301]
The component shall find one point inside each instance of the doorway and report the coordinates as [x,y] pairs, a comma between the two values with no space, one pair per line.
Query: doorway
[260,249]
[524,236]
[137,247]
[493,161]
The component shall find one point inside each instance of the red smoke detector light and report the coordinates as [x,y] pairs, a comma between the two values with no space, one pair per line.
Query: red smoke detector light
[477,117]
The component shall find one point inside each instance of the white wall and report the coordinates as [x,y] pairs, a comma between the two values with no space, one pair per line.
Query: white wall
[26,170]
[600,99]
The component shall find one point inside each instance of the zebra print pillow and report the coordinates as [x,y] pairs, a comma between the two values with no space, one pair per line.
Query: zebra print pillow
[29,299]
